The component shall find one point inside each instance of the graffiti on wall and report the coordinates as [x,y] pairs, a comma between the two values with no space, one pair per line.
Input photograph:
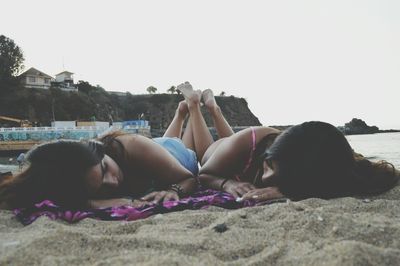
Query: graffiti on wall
[47,135]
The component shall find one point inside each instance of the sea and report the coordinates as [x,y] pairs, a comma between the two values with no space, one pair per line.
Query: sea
[380,146]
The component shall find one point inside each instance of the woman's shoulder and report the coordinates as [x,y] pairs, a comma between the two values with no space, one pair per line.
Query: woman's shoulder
[260,132]
[117,141]
[131,140]
[263,131]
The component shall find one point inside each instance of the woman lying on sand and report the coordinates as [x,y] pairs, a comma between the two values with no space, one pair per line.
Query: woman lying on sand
[100,173]
[312,159]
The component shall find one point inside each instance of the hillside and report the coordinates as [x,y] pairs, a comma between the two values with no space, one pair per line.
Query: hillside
[94,103]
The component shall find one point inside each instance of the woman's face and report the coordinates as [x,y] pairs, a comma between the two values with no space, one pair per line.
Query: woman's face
[104,179]
[270,170]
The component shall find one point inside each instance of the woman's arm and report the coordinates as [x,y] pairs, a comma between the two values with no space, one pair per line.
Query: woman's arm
[231,186]
[105,203]
[228,160]
[262,194]
[174,192]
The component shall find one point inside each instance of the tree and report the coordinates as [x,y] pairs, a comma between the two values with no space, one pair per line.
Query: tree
[151,89]
[84,86]
[11,59]
[172,90]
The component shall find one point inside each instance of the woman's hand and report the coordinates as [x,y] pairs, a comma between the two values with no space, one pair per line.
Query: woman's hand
[237,189]
[105,203]
[262,194]
[157,196]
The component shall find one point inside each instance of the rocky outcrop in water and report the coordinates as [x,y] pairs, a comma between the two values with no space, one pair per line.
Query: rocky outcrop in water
[357,126]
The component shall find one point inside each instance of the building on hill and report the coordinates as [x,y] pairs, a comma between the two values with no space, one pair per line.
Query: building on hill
[64,81]
[33,78]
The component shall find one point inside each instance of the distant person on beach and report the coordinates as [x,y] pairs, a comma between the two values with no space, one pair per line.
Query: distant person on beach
[104,173]
[312,159]
[20,160]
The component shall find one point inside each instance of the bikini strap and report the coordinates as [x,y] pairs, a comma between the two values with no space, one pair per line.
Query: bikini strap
[253,148]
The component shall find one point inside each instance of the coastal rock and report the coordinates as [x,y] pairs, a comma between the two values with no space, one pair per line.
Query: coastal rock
[358,126]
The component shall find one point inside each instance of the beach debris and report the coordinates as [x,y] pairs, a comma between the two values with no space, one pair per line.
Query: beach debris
[243,215]
[220,228]
[298,208]
[366,200]
[238,199]
[11,243]
[319,218]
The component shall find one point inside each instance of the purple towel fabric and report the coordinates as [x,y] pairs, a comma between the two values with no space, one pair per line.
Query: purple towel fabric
[199,200]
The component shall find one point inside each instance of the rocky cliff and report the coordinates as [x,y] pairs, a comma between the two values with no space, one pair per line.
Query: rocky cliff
[94,103]
[159,109]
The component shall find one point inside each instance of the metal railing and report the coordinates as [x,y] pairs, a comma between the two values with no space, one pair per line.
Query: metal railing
[52,133]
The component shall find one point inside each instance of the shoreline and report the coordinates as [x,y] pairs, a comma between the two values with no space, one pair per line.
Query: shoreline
[380,132]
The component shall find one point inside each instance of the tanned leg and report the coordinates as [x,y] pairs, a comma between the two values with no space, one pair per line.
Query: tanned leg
[175,128]
[221,125]
[201,135]
[187,137]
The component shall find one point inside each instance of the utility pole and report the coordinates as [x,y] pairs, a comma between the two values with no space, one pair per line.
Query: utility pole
[52,109]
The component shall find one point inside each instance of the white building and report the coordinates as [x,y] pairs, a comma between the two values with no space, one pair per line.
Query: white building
[33,78]
[64,81]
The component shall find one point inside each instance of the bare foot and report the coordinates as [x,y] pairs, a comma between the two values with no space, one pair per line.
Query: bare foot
[192,97]
[182,109]
[209,99]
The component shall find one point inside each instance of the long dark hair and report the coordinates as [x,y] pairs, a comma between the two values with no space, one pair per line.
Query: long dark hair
[56,172]
[114,148]
[314,159]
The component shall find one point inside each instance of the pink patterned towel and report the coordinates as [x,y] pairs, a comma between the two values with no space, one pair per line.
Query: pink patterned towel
[199,200]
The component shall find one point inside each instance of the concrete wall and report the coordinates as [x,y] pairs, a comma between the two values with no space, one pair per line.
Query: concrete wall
[63,124]
[92,124]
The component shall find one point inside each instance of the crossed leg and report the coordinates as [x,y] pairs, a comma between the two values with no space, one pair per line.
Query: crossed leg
[197,126]
[174,129]
[197,135]
[221,125]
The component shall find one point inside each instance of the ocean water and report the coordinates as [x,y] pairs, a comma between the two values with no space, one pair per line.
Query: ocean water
[382,146]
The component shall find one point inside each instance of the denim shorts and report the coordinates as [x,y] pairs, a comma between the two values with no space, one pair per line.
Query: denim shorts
[176,148]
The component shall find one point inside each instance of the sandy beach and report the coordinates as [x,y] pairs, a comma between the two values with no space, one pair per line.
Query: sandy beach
[344,231]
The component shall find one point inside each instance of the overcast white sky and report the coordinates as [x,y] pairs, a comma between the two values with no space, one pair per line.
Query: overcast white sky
[291,60]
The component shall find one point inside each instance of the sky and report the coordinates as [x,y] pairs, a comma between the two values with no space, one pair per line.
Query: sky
[292,60]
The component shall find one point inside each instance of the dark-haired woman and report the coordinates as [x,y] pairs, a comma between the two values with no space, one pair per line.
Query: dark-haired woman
[312,159]
[104,173]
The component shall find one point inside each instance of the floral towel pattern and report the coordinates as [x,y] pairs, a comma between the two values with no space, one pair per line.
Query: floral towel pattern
[199,200]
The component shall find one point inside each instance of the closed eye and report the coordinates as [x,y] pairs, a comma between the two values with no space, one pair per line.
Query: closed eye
[103,168]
